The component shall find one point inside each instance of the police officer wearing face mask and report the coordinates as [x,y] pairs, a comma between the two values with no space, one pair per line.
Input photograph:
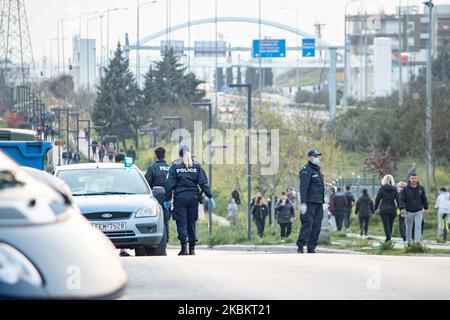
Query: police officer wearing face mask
[312,194]
[156,177]
[184,179]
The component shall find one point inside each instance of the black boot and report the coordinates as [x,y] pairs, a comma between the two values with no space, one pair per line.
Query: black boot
[184,251]
[311,250]
[192,248]
[300,250]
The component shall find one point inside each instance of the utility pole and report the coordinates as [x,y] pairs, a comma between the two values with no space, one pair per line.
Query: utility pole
[429,109]
[259,55]
[408,73]
[400,47]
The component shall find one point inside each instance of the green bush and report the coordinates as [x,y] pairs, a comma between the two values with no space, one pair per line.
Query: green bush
[417,248]
[386,246]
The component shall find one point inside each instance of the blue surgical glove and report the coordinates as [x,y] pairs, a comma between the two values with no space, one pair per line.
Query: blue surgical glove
[167,205]
[213,203]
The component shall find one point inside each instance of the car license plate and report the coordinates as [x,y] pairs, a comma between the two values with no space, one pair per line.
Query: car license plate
[111,227]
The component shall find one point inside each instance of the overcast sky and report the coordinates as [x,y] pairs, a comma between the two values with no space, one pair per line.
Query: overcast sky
[44,14]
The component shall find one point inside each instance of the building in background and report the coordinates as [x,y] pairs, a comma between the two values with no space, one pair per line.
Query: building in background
[365,28]
[84,63]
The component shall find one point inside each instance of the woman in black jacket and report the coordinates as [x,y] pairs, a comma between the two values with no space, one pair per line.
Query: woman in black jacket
[284,212]
[364,210]
[260,213]
[387,202]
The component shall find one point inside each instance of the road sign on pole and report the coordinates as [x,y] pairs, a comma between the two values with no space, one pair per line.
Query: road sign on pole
[269,48]
[309,48]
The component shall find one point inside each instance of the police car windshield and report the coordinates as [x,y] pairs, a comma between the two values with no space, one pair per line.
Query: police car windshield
[95,182]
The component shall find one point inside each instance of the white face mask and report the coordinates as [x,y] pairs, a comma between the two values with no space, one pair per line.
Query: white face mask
[316,161]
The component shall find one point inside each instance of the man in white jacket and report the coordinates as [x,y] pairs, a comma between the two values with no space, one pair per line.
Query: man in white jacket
[443,206]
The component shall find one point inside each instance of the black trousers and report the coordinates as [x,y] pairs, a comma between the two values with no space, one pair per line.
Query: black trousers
[260,226]
[364,225]
[402,227]
[311,226]
[339,217]
[185,213]
[388,224]
[286,229]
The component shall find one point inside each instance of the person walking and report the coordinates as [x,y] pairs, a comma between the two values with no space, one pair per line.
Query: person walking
[183,182]
[260,212]
[111,151]
[101,152]
[156,177]
[350,202]
[387,202]
[94,146]
[364,210]
[401,220]
[70,156]
[284,213]
[65,156]
[312,195]
[338,208]
[331,217]
[76,158]
[131,153]
[233,211]
[443,210]
[413,204]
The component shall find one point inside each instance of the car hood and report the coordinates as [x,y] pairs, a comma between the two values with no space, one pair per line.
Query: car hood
[76,261]
[113,203]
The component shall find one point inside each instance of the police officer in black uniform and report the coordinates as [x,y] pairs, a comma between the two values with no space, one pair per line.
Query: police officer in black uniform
[184,179]
[312,194]
[156,177]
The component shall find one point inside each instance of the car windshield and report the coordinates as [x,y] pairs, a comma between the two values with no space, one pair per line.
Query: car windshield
[104,182]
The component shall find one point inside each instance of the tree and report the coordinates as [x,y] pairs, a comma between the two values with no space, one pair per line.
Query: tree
[119,106]
[61,87]
[382,162]
[168,85]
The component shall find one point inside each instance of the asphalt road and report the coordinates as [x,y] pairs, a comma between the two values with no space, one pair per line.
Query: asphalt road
[246,276]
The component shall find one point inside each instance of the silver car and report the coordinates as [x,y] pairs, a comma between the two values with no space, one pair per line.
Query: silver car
[47,249]
[118,201]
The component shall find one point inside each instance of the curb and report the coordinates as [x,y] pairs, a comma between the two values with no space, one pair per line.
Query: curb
[268,249]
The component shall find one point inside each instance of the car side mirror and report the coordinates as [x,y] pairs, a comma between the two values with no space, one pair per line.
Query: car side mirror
[159,191]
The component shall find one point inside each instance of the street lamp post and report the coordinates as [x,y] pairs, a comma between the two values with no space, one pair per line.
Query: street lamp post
[107,28]
[297,75]
[61,27]
[429,109]
[400,47]
[138,40]
[209,105]
[249,154]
